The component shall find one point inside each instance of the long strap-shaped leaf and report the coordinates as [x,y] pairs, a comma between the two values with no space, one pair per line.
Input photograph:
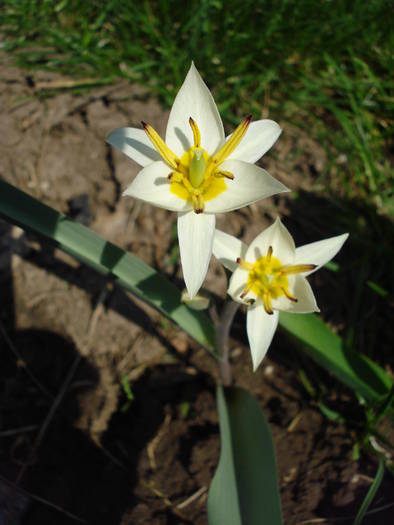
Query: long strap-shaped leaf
[132,273]
[321,344]
[244,489]
[326,348]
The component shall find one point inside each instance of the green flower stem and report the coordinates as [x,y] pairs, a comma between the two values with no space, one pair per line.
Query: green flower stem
[222,335]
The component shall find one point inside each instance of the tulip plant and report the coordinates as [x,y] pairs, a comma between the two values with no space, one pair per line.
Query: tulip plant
[197,172]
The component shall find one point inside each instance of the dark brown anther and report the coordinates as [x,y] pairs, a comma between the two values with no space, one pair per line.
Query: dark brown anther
[290,296]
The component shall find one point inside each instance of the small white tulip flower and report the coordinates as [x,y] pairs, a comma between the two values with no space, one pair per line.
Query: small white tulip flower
[270,276]
[196,171]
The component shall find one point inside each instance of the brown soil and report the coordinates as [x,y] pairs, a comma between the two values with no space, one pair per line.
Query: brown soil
[72,445]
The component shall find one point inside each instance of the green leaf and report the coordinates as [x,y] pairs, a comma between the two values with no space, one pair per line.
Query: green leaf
[326,348]
[129,271]
[371,493]
[244,489]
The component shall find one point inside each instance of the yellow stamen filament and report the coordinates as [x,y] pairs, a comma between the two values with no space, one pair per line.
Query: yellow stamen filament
[223,173]
[165,152]
[196,133]
[245,292]
[269,254]
[245,265]
[232,142]
[198,203]
[289,295]
[297,268]
[267,303]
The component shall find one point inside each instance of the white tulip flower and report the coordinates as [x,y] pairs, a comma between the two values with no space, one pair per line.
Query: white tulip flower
[269,276]
[196,171]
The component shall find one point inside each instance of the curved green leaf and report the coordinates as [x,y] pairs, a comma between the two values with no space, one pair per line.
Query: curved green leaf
[244,489]
[326,348]
[129,271]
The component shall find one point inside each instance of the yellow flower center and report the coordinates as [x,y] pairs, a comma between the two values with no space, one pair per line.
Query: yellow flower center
[268,278]
[196,176]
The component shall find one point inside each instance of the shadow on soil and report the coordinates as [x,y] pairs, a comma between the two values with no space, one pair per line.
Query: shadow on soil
[52,472]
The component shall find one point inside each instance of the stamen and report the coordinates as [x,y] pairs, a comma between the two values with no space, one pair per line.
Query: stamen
[175,177]
[246,291]
[267,303]
[297,268]
[198,203]
[232,142]
[165,152]
[269,254]
[196,133]
[223,173]
[243,264]
[289,295]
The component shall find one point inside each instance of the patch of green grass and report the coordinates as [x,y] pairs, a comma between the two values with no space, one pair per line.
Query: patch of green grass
[326,66]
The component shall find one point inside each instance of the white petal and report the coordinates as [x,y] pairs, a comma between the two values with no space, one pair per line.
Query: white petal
[301,289]
[152,185]
[261,328]
[194,100]
[279,238]
[319,252]
[227,249]
[135,144]
[195,234]
[259,138]
[250,184]
[237,285]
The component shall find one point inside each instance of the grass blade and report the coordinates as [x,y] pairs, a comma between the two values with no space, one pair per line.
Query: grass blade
[371,493]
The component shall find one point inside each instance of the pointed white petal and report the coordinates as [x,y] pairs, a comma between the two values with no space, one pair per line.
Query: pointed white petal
[135,144]
[238,284]
[195,234]
[279,238]
[227,249]
[301,289]
[319,252]
[194,100]
[259,138]
[261,328]
[152,185]
[250,184]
